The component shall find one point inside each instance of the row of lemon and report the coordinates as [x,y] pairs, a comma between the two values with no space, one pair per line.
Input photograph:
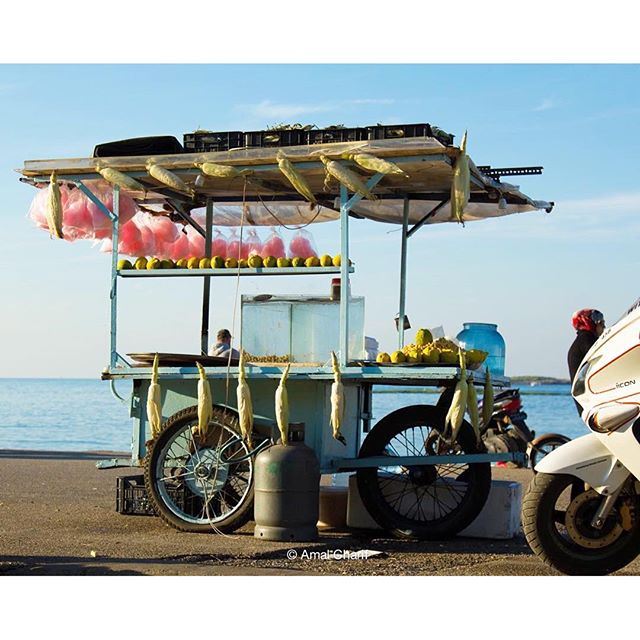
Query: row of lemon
[217,262]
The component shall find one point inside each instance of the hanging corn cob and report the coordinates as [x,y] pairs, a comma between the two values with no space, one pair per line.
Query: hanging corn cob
[456,412]
[347,177]
[54,208]
[154,408]
[205,403]
[377,165]
[168,178]
[282,407]
[121,179]
[337,400]
[245,406]
[295,178]
[487,399]
[472,409]
[221,170]
[461,183]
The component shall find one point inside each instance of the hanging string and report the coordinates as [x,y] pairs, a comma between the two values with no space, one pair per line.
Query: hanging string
[282,224]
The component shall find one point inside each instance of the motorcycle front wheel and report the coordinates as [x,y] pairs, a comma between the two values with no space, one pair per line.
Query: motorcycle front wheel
[557,511]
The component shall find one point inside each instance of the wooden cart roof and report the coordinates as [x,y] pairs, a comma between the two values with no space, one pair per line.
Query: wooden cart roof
[270,199]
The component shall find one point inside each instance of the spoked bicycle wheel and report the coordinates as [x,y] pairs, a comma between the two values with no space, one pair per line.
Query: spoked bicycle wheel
[430,501]
[200,485]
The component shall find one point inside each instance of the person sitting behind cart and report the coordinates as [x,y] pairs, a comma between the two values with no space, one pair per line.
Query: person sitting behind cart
[222,348]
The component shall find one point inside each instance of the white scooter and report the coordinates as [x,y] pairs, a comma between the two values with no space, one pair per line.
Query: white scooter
[581,513]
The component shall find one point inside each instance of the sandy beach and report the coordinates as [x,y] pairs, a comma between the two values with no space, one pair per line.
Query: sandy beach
[57,511]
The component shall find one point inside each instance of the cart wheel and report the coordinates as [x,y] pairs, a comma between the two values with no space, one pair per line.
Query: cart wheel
[427,501]
[194,484]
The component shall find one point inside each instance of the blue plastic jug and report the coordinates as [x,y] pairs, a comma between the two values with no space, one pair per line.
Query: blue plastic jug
[485,336]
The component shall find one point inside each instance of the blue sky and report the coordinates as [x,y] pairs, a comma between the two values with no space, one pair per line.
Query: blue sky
[527,272]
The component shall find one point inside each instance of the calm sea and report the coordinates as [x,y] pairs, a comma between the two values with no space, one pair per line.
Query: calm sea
[82,415]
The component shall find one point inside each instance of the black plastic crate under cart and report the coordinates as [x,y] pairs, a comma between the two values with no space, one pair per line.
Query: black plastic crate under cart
[205,141]
[132,500]
[342,134]
[275,138]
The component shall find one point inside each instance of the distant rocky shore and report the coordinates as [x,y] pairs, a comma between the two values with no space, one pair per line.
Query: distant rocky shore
[534,380]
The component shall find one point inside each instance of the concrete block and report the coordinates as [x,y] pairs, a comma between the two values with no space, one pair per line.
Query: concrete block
[498,520]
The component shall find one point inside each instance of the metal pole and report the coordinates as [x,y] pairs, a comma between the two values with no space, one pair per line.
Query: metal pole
[403,272]
[206,287]
[115,223]
[344,276]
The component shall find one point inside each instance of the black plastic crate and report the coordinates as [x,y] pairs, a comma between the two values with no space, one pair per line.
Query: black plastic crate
[275,138]
[131,496]
[342,134]
[205,141]
[391,131]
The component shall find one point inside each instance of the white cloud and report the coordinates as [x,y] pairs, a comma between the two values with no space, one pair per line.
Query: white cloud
[268,109]
[371,101]
[545,105]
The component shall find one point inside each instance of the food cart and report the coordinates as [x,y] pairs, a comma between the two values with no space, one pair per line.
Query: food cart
[413,481]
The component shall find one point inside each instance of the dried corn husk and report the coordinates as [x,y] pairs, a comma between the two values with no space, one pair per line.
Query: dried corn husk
[205,403]
[221,170]
[154,403]
[121,179]
[245,406]
[458,407]
[54,208]
[337,400]
[378,165]
[168,178]
[461,184]
[472,408]
[347,177]
[282,407]
[295,178]
[487,399]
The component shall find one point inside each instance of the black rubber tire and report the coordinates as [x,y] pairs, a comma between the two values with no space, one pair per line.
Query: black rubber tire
[175,424]
[546,439]
[562,555]
[476,476]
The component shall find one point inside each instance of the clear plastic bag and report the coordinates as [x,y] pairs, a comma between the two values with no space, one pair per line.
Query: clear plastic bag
[196,244]
[235,248]
[274,245]
[253,243]
[81,218]
[219,244]
[130,242]
[180,248]
[165,233]
[302,245]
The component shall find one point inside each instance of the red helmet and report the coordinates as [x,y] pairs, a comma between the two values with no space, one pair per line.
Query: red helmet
[586,320]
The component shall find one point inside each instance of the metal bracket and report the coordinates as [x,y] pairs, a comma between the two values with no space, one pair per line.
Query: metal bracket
[87,192]
[114,463]
[426,217]
[371,183]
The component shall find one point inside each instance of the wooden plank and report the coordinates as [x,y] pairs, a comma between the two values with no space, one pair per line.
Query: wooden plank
[245,157]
